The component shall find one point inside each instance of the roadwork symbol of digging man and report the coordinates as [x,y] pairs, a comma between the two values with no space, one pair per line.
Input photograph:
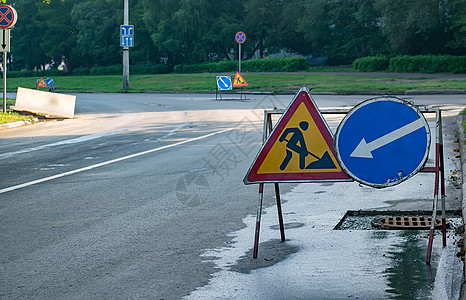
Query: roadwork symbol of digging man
[297,144]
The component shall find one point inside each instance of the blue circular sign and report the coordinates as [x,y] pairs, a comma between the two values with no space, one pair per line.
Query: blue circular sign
[382,141]
[224,83]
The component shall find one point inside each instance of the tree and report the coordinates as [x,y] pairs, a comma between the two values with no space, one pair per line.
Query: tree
[144,50]
[190,31]
[458,26]
[96,32]
[59,36]
[342,29]
[27,35]
[86,32]
[415,27]
[261,23]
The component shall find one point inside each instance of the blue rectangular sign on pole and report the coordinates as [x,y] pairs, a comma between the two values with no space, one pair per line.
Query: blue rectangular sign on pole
[127,41]
[126,30]
[127,35]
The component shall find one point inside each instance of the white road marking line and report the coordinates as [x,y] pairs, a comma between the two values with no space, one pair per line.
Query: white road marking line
[80,139]
[23,185]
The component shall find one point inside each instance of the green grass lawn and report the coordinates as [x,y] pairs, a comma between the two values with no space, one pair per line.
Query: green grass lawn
[12,117]
[258,82]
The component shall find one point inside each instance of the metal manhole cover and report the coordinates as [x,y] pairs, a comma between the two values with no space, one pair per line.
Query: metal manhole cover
[404,222]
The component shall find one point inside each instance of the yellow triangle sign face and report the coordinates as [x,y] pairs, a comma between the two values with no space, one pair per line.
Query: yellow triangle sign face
[42,83]
[239,80]
[299,148]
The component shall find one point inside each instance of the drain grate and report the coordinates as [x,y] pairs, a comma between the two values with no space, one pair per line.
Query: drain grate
[406,222]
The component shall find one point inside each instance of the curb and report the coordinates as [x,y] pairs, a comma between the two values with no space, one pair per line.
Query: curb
[462,145]
[436,92]
[15,124]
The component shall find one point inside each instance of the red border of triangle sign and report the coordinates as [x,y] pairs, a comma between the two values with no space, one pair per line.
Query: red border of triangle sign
[285,164]
[239,80]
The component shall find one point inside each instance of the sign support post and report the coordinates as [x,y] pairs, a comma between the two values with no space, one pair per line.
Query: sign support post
[239,58]
[4,82]
[7,20]
[258,221]
[439,171]
[240,38]
[126,50]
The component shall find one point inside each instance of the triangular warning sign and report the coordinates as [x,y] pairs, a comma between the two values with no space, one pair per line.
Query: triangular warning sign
[299,148]
[41,83]
[239,80]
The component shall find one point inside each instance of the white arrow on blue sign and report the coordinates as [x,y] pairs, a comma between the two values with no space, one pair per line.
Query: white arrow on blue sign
[49,81]
[382,141]
[224,83]
[127,41]
[126,30]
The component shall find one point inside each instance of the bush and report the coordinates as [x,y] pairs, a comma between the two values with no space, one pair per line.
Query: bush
[289,64]
[428,64]
[147,69]
[211,67]
[118,70]
[108,70]
[42,73]
[81,71]
[371,64]
[412,64]
[294,64]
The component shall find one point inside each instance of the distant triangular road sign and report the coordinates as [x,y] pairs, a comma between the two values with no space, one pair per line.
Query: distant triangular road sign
[299,148]
[239,80]
[41,83]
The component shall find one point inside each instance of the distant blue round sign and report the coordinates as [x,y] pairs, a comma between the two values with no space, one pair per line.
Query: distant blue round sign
[382,141]
[224,83]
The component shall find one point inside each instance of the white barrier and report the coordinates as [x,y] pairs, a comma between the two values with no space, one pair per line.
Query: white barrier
[45,103]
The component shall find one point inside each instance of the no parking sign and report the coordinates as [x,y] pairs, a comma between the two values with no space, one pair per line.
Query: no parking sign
[8,16]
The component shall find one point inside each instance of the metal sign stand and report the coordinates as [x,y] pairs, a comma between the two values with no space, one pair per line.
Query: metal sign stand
[438,169]
[266,131]
[218,92]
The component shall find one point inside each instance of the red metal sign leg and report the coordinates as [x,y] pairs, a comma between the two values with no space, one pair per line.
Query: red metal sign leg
[434,209]
[258,220]
[442,191]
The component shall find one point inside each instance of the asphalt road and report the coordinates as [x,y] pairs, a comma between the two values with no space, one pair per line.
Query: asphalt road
[122,201]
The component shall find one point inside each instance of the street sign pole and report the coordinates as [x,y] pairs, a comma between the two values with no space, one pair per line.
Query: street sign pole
[239,59]
[4,82]
[240,38]
[8,20]
[126,50]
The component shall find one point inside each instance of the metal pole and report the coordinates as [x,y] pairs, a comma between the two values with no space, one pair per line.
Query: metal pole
[442,178]
[436,190]
[268,118]
[239,59]
[126,50]
[258,221]
[280,214]
[4,82]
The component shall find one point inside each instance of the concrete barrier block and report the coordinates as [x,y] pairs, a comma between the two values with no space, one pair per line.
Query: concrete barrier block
[45,103]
